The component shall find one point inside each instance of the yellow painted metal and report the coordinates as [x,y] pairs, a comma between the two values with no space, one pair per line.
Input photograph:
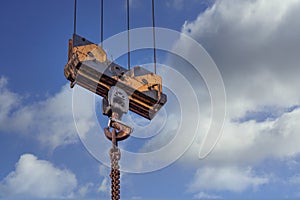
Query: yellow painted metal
[137,86]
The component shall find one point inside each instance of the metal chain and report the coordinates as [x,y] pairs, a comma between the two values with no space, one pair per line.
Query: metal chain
[115,156]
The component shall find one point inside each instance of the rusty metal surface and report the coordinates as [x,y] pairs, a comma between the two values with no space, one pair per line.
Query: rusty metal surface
[89,68]
[142,103]
[115,156]
[98,75]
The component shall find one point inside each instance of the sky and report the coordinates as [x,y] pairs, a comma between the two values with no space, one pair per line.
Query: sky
[51,149]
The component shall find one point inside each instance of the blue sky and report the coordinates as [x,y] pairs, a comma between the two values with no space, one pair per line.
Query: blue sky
[255,45]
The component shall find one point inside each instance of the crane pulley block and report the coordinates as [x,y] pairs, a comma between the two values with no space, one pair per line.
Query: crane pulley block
[89,67]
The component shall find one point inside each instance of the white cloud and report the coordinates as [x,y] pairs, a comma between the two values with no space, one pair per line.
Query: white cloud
[247,145]
[84,190]
[104,186]
[225,179]
[38,178]
[254,44]
[248,42]
[9,100]
[251,142]
[203,195]
[254,49]
[50,121]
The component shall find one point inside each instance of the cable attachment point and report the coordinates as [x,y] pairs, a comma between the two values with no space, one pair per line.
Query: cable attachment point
[114,107]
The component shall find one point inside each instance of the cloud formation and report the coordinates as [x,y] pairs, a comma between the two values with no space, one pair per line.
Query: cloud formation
[203,195]
[38,179]
[253,44]
[226,178]
[50,121]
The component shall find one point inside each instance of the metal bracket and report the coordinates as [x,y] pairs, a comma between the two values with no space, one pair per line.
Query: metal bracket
[116,105]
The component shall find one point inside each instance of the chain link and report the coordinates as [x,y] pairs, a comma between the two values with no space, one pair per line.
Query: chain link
[115,156]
